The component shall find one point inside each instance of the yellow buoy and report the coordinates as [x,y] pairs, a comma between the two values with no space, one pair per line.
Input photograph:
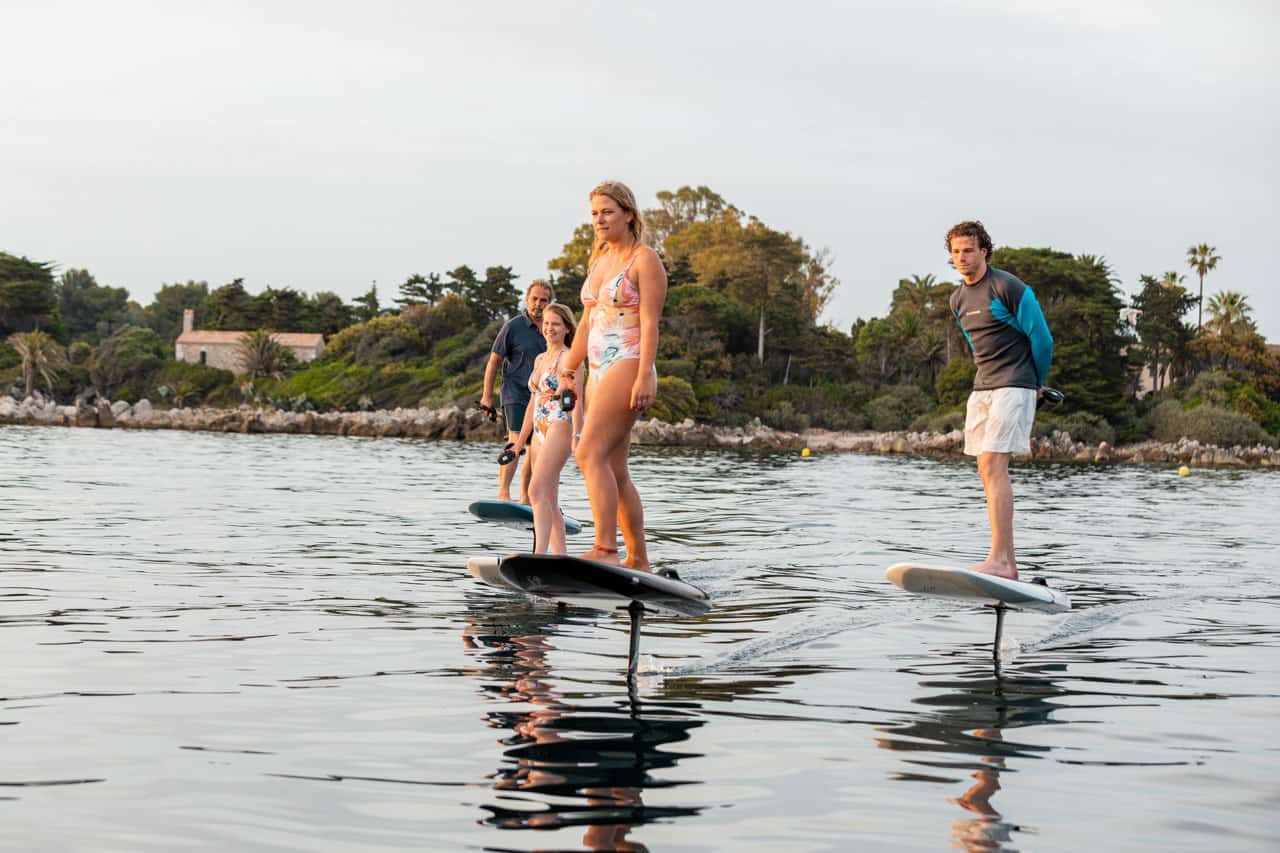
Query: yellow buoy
[1184,471]
[804,452]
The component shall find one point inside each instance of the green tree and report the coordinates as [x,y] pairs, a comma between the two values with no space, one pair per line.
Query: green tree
[1202,258]
[282,308]
[1230,311]
[463,281]
[421,290]
[1164,339]
[756,265]
[876,347]
[366,305]
[678,210]
[91,312]
[569,270]
[258,353]
[496,294]
[27,298]
[41,357]
[231,308]
[164,314]
[329,314]
[129,357]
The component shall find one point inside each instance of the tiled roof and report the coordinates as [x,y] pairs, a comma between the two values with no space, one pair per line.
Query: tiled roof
[289,339]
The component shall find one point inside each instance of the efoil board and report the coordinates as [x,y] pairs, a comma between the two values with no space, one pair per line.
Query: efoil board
[587,583]
[514,514]
[975,586]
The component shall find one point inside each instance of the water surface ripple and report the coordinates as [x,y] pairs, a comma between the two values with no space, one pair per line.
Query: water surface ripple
[269,643]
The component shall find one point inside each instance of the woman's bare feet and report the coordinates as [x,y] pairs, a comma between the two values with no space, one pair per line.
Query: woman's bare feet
[601,555]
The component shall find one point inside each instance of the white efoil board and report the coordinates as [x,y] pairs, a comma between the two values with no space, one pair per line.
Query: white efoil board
[975,586]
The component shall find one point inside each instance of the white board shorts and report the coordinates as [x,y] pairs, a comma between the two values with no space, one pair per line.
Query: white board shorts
[999,421]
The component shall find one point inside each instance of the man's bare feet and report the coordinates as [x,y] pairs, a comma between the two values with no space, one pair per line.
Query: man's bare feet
[996,567]
[504,496]
[637,564]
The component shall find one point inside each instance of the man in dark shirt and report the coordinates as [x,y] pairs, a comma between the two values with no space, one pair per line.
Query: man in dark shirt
[1012,349]
[515,348]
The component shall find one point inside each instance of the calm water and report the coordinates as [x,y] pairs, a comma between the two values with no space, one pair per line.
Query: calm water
[268,643]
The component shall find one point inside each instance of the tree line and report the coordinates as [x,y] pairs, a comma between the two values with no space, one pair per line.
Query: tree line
[741,337]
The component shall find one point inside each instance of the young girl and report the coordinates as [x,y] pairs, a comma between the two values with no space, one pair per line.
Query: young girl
[553,431]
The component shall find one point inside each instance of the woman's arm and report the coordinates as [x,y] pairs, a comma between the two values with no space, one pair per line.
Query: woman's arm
[651,280]
[578,352]
[579,411]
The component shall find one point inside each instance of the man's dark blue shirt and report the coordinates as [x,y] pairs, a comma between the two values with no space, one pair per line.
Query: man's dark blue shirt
[519,343]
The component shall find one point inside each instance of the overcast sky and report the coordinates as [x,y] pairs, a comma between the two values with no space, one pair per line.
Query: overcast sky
[327,145]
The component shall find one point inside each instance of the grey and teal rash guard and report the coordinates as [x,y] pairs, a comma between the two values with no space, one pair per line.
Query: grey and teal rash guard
[1006,330]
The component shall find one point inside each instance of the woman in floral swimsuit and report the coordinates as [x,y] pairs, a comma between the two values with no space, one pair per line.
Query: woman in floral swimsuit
[552,431]
[622,301]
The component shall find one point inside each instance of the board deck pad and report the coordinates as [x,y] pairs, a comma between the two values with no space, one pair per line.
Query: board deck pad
[975,586]
[587,583]
[514,514]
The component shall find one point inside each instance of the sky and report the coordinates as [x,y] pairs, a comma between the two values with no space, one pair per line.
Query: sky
[330,145]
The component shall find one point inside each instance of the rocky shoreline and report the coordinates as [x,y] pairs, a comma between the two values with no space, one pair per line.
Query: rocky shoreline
[456,423]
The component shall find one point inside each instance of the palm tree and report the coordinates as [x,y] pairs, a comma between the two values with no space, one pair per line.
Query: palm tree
[1172,279]
[41,357]
[1201,258]
[260,354]
[1229,311]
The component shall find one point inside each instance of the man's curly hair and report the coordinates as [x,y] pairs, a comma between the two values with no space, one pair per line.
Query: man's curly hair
[971,229]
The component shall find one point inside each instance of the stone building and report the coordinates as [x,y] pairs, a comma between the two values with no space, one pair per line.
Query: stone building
[222,349]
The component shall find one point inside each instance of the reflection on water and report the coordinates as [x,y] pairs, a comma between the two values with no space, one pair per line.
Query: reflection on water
[571,765]
[969,721]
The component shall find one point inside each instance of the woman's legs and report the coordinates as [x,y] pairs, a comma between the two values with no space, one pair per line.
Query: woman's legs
[605,433]
[544,488]
[630,510]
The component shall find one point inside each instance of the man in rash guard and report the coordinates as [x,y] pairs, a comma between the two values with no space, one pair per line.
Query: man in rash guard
[1012,349]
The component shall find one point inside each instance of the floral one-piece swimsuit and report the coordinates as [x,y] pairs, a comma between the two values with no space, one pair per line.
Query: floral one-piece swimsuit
[545,388]
[615,322]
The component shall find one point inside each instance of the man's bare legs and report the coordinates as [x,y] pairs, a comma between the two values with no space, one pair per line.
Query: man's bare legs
[506,473]
[994,470]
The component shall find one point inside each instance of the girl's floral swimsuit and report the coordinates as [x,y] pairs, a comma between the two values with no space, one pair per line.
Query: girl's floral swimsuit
[615,322]
[545,387]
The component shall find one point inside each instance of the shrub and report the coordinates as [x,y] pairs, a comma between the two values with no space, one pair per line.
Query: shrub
[943,420]
[193,384]
[681,367]
[1208,423]
[897,407]
[955,381]
[1081,426]
[675,400]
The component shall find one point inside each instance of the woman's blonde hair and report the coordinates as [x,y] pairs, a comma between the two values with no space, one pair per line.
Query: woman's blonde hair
[625,199]
[566,315]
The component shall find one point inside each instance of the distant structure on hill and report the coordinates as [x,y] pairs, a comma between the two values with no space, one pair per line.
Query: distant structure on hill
[222,349]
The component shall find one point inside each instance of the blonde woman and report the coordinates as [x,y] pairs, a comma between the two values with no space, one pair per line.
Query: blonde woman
[622,301]
[552,430]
